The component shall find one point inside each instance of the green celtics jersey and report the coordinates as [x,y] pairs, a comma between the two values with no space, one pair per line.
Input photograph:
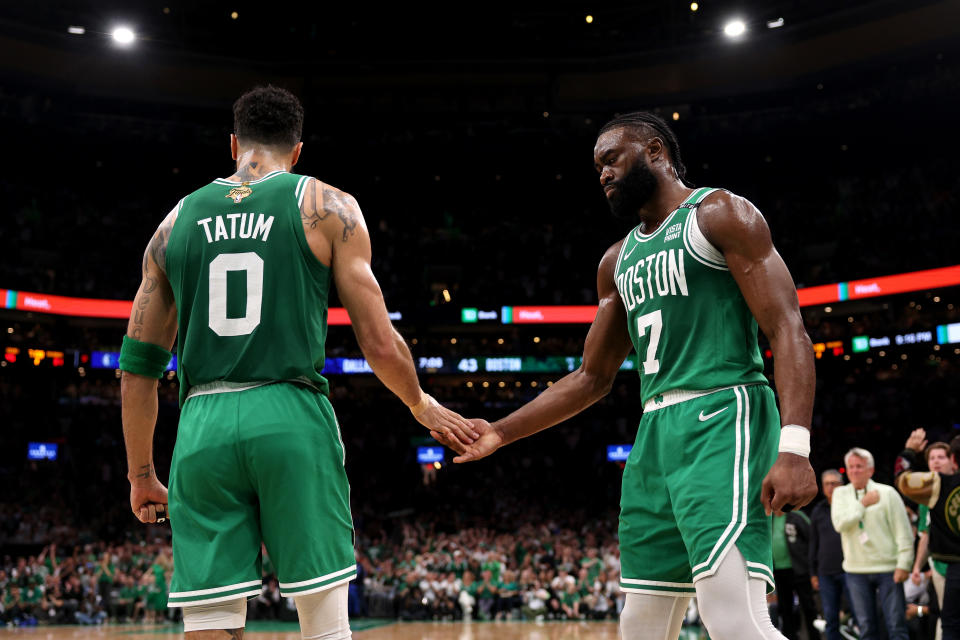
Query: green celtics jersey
[687,319]
[251,296]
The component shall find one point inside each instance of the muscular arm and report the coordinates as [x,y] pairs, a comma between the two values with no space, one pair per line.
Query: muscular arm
[606,347]
[153,320]
[337,234]
[738,230]
[360,293]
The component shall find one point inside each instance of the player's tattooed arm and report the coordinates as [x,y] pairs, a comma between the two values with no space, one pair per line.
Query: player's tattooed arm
[154,305]
[153,320]
[344,206]
[331,219]
[309,214]
[321,202]
[157,247]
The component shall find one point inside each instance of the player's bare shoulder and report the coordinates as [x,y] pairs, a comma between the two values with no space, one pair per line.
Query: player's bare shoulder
[606,272]
[727,220]
[332,212]
[157,247]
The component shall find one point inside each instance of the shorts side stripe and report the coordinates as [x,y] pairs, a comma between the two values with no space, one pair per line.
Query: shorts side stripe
[656,583]
[286,593]
[231,587]
[251,593]
[736,491]
[763,576]
[707,569]
[306,583]
[676,593]
[757,567]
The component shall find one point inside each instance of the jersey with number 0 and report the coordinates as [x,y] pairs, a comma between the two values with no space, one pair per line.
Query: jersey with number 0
[251,296]
[687,319]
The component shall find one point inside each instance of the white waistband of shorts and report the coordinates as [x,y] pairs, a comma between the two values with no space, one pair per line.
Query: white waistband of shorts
[224,386]
[676,396]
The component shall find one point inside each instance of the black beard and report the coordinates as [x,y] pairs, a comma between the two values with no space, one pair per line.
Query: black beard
[632,192]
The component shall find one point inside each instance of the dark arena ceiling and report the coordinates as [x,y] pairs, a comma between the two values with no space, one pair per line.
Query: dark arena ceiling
[434,33]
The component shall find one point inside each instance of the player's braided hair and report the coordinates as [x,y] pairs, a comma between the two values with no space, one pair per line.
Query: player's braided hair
[648,122]
[268,115]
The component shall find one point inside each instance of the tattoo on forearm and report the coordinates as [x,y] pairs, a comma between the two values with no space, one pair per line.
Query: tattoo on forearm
[145,471]
[337,202]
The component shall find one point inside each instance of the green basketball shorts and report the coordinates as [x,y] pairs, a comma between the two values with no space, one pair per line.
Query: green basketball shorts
[258,464]
[691,488]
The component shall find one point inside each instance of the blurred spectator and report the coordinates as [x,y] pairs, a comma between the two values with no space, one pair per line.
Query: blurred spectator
[920,621]
[877,547]
[791,573]
[939,460]
[826,556]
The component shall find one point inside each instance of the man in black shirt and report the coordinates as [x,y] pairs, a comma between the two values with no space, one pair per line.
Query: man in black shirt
[941,493]
[826,556]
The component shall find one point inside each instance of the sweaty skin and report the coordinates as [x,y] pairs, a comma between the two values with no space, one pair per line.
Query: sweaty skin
[736,228]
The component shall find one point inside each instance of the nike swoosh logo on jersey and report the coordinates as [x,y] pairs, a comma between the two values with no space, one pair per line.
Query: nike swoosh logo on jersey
[627,254]
[704,418]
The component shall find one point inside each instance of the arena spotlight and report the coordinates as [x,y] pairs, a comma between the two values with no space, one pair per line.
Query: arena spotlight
[123,35]
[694,6]
[589,19]
[734,28]
[676,116]
[234,15]
[77,31]
[775,24]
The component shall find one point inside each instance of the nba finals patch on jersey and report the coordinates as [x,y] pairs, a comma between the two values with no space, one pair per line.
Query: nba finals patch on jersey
[239,193]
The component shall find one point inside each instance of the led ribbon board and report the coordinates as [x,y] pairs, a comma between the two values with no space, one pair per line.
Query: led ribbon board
[546,314]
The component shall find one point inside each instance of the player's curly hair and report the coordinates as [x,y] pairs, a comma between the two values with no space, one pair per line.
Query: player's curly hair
[649,123]
[268,115]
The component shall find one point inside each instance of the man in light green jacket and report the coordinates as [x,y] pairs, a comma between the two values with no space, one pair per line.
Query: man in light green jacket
[877,547]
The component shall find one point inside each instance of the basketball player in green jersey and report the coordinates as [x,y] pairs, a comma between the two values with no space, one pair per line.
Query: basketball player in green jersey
[241,270]
[686,289]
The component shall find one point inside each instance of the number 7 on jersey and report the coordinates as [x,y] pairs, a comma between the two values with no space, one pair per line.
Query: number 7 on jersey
[655,321]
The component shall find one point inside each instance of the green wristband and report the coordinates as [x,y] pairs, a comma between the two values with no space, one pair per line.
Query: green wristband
[143,358]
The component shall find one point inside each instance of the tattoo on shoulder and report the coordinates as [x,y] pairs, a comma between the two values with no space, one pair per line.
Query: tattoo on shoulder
[157,248]
[338,203]
[309,214]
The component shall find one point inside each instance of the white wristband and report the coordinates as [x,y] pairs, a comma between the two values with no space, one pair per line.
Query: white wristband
[795,439]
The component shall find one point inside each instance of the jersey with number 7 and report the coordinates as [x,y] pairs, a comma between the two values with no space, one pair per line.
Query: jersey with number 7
[687,318]
[251,296]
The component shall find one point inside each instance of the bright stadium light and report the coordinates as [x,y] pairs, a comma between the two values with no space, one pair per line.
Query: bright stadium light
[775,24]
[77,31]
[123,35]
[734,28]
